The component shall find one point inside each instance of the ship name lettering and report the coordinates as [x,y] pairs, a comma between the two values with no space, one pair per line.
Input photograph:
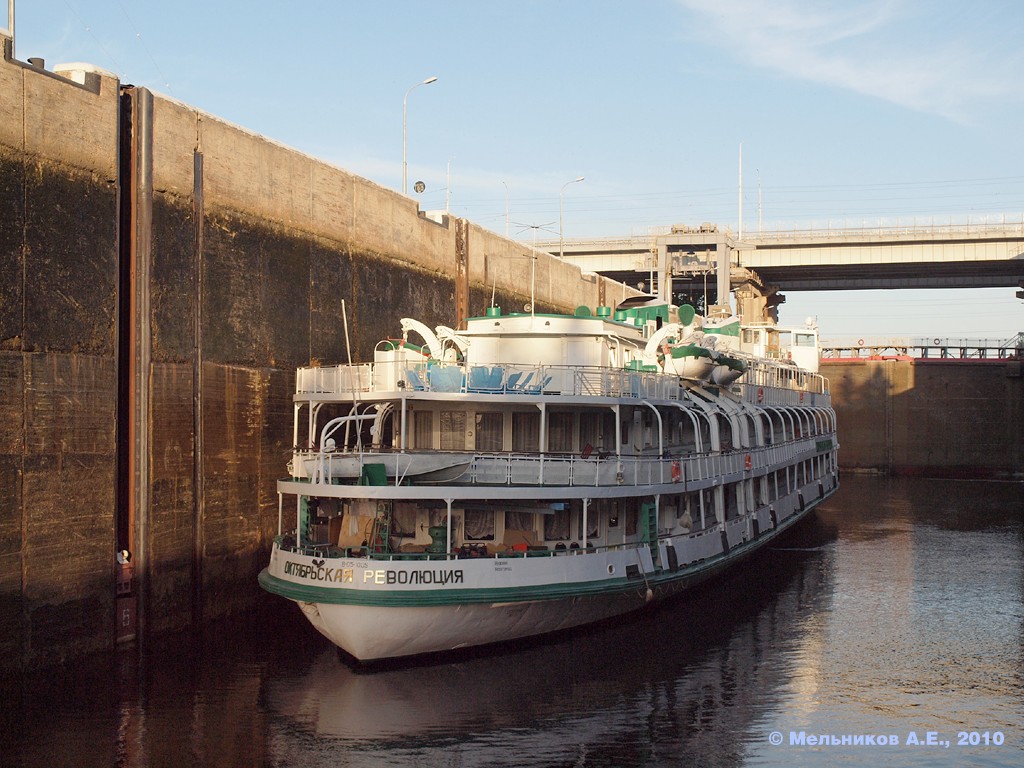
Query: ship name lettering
[389,576]
[317,572]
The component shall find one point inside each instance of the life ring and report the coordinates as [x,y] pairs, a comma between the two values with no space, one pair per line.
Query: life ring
[747,462]
[860,342]
[677,472]
[937,342]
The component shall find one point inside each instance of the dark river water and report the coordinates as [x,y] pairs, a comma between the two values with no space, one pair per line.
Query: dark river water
[888,629]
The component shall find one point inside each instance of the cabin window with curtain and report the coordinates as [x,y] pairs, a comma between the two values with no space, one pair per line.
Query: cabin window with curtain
[453,430]
[614,507]
[556,526]
[526,432]
[489,428]
[632,518]
[593,520]
[560,432]
[590,431]
[479,525]
[707,505]
[518,522]
[403,520]
[423,430]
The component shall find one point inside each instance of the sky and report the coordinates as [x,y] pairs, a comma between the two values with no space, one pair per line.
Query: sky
[849,112]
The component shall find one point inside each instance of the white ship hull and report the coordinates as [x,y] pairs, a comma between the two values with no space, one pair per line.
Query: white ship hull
[488,511]
[369,633]
[384,608]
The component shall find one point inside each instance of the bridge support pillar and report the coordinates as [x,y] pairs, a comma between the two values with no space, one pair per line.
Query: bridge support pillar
[755,301]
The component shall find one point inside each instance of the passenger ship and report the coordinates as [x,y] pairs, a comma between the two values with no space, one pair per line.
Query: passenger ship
[538,472]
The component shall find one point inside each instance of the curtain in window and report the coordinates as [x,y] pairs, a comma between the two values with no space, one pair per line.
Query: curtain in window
[489,431]
[404,520]
[453,430]
[556,526]
[560,432]
[526,432]
[518,521]
[423,426]
[479,525]
[590,431]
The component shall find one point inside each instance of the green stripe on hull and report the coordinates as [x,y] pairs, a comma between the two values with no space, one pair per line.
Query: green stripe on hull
[433,597]
[656,581]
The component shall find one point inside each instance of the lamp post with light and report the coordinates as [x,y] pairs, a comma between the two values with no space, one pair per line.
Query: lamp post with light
[405,101]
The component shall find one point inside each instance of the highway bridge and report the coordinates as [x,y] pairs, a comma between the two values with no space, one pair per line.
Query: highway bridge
[763,264]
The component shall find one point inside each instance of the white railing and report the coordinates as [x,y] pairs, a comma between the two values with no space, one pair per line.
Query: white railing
[334,379]
[573,381]
[519,469]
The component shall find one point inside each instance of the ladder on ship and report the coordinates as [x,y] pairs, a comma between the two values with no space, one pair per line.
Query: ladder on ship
[649,518]
[379,539]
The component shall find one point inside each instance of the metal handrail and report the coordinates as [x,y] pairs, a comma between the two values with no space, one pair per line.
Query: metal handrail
[568,380]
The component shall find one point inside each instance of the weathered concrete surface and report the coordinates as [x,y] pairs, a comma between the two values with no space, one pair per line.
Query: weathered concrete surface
[953,418]
[58,372]
[164,274]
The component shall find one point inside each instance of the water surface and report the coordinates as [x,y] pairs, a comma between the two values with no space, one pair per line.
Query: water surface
[895,611]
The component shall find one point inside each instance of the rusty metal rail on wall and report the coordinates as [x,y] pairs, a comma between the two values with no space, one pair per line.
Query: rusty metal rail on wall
[935,348]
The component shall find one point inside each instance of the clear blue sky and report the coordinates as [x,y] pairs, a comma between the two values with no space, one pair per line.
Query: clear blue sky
[849,111]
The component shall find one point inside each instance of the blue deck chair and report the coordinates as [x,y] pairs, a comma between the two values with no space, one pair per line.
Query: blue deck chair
[537,388]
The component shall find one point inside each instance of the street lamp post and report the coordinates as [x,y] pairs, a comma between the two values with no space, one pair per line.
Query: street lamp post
[405,101]
[574,181]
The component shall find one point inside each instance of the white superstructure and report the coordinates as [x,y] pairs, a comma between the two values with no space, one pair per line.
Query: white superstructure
[533,473]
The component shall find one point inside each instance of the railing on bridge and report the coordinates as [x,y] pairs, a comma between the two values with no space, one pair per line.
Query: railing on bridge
[934,348]
[974,227]
[940,227]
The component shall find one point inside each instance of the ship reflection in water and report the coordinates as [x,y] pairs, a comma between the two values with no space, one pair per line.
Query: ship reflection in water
[684,683]
[896,609]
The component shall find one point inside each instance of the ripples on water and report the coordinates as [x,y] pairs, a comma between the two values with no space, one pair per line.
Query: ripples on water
[897,607]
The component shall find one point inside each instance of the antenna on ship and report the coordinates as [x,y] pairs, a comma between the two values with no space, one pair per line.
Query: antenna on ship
[351,378]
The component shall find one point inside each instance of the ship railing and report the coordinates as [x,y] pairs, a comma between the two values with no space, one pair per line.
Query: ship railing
[783,378]
[334,379]
[611,470]
[567,380]
[779,385]
[287,542]
[596,468]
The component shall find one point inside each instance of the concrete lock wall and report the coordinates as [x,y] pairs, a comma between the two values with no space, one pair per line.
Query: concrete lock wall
[58,380]
[952,418]
[164,274]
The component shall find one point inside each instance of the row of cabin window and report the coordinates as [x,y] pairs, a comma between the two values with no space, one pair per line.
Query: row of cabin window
[489,430]
[594,429]
[560,525]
